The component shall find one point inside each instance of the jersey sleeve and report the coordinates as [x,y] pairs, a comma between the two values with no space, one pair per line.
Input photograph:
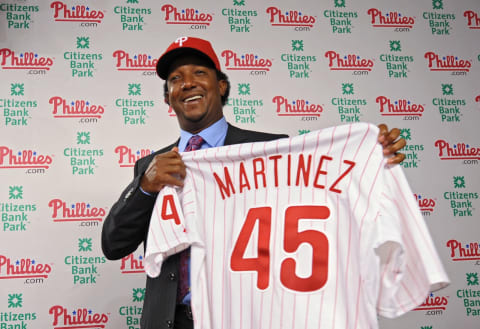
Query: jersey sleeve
[410,266]
[167,233]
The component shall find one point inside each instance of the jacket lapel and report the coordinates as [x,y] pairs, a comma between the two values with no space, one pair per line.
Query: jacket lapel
[235,136]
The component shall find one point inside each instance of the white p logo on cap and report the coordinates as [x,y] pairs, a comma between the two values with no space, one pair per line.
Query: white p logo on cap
[181,40]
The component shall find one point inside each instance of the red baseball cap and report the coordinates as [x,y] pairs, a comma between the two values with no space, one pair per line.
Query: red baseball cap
[186,45]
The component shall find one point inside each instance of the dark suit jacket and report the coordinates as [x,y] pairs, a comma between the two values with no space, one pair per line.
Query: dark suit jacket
[126,226]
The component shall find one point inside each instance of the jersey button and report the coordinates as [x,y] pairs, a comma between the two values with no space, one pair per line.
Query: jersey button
[169,323]
[171,276]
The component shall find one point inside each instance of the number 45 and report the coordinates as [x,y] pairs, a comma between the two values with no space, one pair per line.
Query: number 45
[292,240]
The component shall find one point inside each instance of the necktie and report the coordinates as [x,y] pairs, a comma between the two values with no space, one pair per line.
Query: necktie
[194,143]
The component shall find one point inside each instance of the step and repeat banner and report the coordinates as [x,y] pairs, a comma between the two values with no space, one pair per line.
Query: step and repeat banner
[80,102]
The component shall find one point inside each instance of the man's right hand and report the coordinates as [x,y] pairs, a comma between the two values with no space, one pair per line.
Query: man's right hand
[165,169]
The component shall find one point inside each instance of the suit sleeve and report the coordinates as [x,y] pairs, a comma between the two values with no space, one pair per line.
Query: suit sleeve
[126,225]
[410,265]
[167,234]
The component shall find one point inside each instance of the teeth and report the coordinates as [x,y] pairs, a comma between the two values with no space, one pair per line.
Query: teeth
[192,98]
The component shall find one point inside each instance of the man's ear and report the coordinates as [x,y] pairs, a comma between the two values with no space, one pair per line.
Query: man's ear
[222,84]
[165,98]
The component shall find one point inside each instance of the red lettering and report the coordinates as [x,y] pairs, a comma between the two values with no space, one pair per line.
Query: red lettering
[393,19]
[77,13]
[23,158]
[299,107]
[28,60]
[473,19]
[320,171]
[124,61]
[345,173]
[127,156]
[347,62]
[129,262]
[79,210]
[261,171]
[226,188]
[275,167]
[243,179]
[446,63]
[292,17]
[305,172]
[168,202]
[246,61]
[24,266]
[80,316]
[400,106]
[78,108]
[186,15]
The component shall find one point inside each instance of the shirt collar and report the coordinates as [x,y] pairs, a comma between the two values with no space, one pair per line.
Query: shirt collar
[213,135]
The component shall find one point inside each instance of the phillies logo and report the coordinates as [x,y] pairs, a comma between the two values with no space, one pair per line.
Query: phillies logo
[23,268]
[140,62]
[425,204]
[446,63]
[459,253]
[180,41]
[299,107]
[433,303]
[79,318]
[399,107]
[392,19]
[78,13]
[127,157]
[289,18]
[79,211]
[75,109]
[473,21]
[27,60]
[348,62]
[245,62]
[23,159]
[132,265]
[459,151]
[185,16]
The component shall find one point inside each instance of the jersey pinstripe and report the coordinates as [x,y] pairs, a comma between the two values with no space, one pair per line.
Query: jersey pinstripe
[313,231]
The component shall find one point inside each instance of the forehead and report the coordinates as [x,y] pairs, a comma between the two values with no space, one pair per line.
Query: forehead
[190,59]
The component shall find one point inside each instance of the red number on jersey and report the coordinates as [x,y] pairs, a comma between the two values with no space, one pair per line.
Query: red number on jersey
[261,263]
[168,201]
[292,240]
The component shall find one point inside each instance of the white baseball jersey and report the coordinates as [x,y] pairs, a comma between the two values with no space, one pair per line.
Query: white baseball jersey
[314,231]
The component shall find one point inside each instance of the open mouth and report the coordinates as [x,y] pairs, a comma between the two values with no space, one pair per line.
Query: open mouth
[193,98]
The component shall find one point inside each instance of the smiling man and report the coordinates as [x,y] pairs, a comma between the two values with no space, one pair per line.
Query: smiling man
[194,92]
[196,89]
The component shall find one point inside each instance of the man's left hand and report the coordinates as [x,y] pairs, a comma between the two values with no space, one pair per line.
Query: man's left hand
[391,144]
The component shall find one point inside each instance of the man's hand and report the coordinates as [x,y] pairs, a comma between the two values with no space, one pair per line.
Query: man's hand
[165,169]
[390,144]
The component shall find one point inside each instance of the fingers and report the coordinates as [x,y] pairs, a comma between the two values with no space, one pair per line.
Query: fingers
[382,133]
[394,147]
[396,159]
[390,144]
[165,169]
[386,137]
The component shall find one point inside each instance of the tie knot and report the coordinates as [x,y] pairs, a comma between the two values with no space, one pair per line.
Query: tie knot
[194,143]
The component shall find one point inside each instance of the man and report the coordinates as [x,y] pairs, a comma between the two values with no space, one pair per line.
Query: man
[197,90]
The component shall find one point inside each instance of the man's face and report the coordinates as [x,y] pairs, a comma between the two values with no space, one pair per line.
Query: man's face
[194,93]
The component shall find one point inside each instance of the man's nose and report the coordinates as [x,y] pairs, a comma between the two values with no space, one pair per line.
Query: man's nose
[188,81]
